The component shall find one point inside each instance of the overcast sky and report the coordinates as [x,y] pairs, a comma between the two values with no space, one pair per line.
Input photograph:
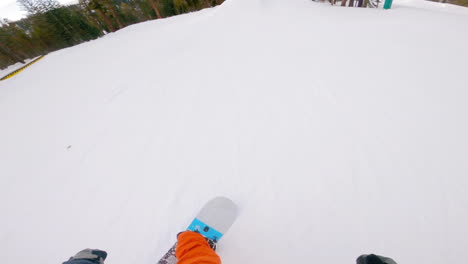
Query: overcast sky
[10,9]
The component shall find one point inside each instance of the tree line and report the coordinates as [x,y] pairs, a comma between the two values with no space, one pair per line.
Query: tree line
[455,2]
[50,26]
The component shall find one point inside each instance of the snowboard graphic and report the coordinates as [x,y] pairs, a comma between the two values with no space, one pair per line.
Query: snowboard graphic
[213,221]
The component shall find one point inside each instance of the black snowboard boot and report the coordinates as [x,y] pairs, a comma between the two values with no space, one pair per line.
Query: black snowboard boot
[212,243]
[374,259]
[88,256]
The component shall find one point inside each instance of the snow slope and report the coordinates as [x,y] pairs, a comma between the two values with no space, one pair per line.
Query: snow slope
[338,131]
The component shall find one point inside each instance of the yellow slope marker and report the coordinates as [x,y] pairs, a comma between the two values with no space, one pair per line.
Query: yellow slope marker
[13,73]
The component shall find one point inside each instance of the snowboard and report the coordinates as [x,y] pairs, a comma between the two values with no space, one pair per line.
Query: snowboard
[212,221]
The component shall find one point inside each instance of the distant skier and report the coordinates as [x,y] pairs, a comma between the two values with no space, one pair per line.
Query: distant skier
[193,248]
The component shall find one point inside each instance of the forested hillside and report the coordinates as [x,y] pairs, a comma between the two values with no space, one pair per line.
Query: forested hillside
[455,2]
[51,26]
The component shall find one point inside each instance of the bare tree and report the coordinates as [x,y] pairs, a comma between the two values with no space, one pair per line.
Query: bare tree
[155,8]
[110,6]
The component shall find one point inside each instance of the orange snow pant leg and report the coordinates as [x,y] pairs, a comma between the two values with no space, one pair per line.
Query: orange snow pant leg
[192,248]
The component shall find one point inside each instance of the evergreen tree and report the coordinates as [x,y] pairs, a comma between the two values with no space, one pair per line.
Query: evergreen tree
[181,6]
[50,26]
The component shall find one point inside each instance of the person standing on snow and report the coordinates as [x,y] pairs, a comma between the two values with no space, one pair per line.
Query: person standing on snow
[193,248]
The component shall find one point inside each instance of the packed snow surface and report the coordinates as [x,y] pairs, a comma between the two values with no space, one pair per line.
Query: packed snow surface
[337,131]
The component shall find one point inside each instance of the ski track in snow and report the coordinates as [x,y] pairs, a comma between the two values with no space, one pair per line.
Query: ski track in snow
[338,131]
